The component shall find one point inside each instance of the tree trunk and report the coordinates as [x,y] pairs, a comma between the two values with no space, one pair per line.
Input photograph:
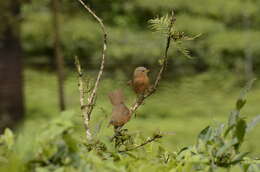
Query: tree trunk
[11,83]
[57,52]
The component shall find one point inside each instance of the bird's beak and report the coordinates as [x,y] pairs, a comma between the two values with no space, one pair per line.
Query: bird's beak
[147,70]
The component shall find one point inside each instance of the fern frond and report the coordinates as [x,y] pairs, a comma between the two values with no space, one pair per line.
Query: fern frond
[187,38]
[160,24]
[165,25]
[182,49]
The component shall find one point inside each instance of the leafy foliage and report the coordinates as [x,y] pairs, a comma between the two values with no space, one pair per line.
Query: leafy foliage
[60,148]
[162,24]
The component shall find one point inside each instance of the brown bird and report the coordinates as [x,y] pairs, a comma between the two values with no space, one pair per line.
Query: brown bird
[120,113]
[140,81]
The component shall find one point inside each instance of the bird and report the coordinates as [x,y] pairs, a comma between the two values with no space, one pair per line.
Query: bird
[140,81]
[120,112]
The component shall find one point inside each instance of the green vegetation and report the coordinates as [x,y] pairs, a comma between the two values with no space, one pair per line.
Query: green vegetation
[196,119]
[229,29]
[50,141]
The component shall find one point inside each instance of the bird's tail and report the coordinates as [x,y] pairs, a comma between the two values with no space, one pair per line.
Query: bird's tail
[116,97]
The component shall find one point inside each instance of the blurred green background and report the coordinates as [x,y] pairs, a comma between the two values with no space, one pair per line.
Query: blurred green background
[194,92]
[230,33]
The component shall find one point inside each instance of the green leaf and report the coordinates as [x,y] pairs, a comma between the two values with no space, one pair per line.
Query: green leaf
[60,169]
[183,149]
[9,138]
[245,167]
[254,168]
[242,97]
[229,129]
[187,38]
[41,169]
[233,117]
[98,127]
[226,147]
[240,104]
[182,49]
[219,130]
[239,157]
[246,89]
[253,123]
[131,155]
[71,142]
[240,130]
[160,24]
[206,134]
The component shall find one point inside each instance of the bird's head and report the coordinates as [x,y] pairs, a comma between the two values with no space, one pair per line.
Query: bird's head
[140,71]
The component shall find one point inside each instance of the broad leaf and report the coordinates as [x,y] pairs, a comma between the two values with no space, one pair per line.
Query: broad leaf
[229,129]
[246,89]
[233,117]
[240,130]
[240,104]
[239,157]
[253,123]
[226,147]
[205,134]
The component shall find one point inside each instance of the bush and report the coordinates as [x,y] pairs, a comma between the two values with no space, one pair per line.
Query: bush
[59,147]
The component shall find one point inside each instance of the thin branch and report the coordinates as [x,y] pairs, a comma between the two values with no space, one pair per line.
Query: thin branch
[154,138]
[141,99]
[91,99]
[94,15]
[83,108]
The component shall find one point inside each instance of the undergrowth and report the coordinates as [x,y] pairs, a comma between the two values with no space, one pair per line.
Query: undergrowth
[58,148]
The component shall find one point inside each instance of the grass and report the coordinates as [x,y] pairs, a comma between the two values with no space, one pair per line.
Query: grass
[183,108]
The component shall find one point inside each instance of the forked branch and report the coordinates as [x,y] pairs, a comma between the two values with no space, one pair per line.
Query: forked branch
[88,108]
[83,107]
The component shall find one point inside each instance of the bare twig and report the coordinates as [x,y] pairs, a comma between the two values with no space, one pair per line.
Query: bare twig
[83,108]
[94,15]
[88,108]
[154,138]
[141,99]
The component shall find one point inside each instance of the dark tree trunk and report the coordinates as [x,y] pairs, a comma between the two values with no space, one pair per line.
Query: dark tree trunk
[57,52]
[11,83]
